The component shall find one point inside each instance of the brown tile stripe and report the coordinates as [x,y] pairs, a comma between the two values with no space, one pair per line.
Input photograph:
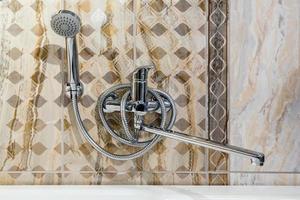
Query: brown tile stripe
[217,87]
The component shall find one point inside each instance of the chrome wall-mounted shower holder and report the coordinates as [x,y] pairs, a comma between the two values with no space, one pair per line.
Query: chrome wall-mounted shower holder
[138,99]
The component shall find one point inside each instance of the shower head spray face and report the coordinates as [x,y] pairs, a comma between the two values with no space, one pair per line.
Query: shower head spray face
[65,23]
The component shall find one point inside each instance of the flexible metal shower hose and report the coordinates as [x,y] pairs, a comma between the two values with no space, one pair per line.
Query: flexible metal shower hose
[130,140]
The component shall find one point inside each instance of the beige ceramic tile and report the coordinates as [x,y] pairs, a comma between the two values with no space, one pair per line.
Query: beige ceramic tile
[28,111]
[29,178]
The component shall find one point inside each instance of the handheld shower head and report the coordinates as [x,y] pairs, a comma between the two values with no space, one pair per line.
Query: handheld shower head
[65,23]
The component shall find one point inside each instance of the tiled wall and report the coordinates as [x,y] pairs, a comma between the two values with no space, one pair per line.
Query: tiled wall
[187,42]
[39,141]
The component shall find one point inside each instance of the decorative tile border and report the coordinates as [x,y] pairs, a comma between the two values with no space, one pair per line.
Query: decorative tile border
[217,86]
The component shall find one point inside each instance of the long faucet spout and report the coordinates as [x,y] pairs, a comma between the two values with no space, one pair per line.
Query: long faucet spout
[256,157]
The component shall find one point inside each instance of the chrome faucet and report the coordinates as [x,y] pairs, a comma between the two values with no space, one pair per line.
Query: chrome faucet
[140,106]
[135,99]
[256,157]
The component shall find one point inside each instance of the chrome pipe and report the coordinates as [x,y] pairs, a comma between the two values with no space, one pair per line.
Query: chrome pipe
[256,157]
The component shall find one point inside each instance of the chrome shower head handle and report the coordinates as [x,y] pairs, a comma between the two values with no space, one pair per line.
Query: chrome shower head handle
[67,24]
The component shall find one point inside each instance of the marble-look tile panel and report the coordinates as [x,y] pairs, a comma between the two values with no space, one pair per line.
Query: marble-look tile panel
[265,84]
[29,138]
[287,179]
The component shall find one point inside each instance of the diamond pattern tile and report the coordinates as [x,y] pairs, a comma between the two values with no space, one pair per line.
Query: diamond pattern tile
[182,124]
[86,53]
[14,29]
[182,100]
[158,29]
[13,150]
[182,29]
[14,101]
[182,53]
[39,148]
[40,101]
[87,77]
[182,77]
[15,77]
[110,77]
[14,124]
[39,125]
[158,76]
[158,5]
[87,30]
[88,124]
[111,54]
[15,6]
[183,5]
[158,53]
[182,148]
[87,101]
[14,53]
